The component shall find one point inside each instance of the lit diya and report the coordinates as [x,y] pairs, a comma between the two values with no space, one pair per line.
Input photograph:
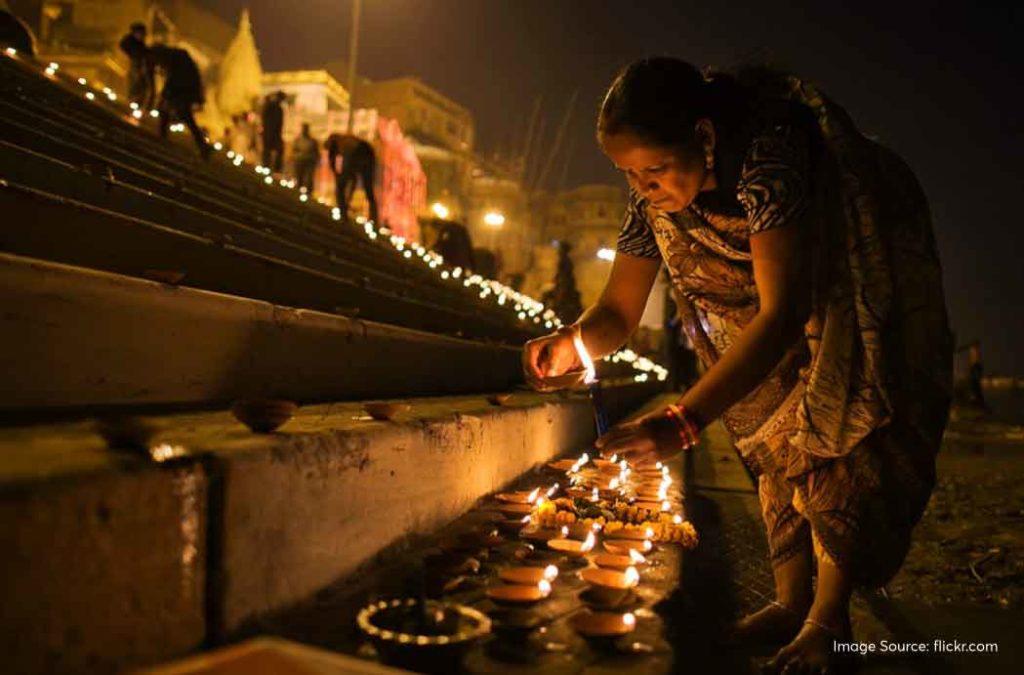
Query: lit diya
[522,497]
[571,547]
[562,464]
[624,546]
[604,624]
[528,575]
[610,587]
[515,509]
[520,594]
[619,562]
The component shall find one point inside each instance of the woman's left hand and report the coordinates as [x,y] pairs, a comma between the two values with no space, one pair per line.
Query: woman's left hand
[649,439]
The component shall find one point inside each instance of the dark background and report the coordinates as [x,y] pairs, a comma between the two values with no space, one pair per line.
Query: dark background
[937,82]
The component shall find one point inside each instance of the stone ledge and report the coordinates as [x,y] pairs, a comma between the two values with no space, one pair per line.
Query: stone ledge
[121,562]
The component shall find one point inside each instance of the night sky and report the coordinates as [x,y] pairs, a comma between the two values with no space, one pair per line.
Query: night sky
[937,82]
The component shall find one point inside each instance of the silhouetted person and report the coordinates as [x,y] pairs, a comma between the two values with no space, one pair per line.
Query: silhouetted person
[140,69]
[974,375]
[273,128]
[358,163]
[15,33]
[182,90]
[305,155]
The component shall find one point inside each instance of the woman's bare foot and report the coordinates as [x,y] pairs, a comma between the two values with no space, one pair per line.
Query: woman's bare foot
[811,651]
[773,624]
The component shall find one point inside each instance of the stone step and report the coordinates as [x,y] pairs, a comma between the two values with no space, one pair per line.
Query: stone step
[76,337]
[116,560]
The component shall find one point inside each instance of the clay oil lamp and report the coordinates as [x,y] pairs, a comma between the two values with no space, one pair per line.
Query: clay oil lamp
[513,525]
[602,628]
[610,587]
[422,635]
[528,575]
[624,546]
[515,510]
[573,548]
[521,497]
[619,562]
[634,533]
[520,594]
[385,410]
[263,416]
[543,535]
[563,465]
[499,399]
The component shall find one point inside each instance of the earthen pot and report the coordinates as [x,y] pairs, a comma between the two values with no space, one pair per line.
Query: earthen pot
[572,548]
[499,399]
[263,416]
[615,562]
[515,509]
[622,546]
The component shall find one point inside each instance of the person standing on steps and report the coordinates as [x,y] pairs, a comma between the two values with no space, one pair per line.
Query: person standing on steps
[140,69]
[273,130]
[181,93]
[358,164]
[305,157]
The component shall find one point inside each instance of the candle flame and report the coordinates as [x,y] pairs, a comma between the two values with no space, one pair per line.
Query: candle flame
[632,576]
[588,543]
[649,533]
[636,556]
[540,502]
[553,489]
[588,363]
[647,545]
[524,519]
[565,530]
[594,495]
[677,519]
[550,572]
[629,619]
[613,484]
[614,458]
[545,586]
[533,495]
[666,505]
[624,465]
[658,465]
[596,527]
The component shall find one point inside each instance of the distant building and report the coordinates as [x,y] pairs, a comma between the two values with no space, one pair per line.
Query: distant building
[442,132]
[589,217]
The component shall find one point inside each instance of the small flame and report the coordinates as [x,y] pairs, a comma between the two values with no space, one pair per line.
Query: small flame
[624,465]
[540,502]
[614,458]
[666,505]
[533,495]
[629,619]
[596,527]
[551,572]
[595,495]
[525,519]
[632,577]
[565,530]
[584,458]
[649,533]
[589,542]
[545,586]
[647,545]
[636,556]
[588,363]
[613,484]
[677,519]
[658,466]
[553,489]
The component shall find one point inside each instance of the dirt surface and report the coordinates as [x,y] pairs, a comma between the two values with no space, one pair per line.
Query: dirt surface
[969,546]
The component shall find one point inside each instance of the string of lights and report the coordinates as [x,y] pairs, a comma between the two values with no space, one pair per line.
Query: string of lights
[525,308]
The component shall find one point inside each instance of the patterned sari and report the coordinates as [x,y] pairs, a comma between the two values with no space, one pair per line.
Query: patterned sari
[842,434]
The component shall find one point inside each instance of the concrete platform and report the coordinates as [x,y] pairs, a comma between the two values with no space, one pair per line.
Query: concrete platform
[118,561]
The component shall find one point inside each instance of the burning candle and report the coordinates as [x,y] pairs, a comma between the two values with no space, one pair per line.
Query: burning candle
[590,379]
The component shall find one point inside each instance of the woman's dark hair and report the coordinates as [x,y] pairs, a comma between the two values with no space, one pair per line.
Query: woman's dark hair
[660,99]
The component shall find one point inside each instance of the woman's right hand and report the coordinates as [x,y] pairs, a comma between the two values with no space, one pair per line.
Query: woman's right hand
[550,356]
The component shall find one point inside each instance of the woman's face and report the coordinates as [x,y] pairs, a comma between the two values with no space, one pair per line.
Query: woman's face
[669,181]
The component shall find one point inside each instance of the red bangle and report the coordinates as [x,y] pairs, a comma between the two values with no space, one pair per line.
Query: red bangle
[689,433]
